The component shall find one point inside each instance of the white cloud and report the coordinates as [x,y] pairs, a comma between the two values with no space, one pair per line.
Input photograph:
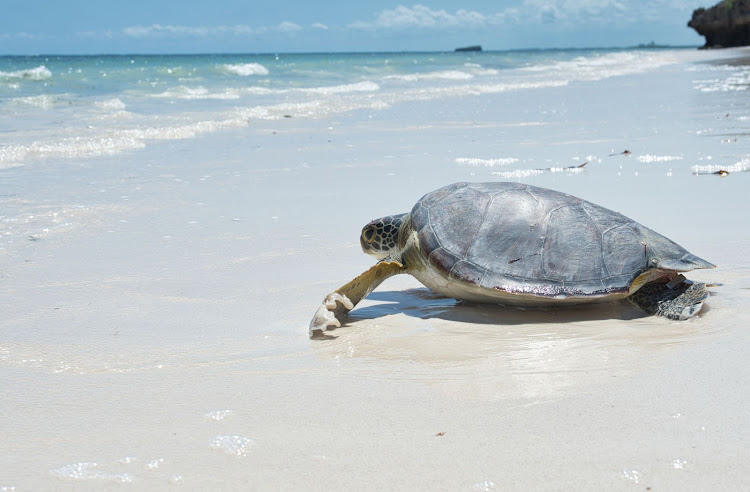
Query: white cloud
[420,16]
[288,27]
[26,36]
[140,32]
[171,31]
[565,13]
[577,10]
[95,34]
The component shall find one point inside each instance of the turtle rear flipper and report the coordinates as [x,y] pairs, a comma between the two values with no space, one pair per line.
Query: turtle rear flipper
[679,303]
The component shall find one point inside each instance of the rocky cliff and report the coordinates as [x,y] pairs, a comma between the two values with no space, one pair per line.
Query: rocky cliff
[724,25]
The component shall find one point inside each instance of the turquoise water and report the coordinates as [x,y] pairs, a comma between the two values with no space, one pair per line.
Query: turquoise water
[80,106]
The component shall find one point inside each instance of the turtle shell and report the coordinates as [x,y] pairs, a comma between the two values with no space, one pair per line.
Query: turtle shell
[522,239]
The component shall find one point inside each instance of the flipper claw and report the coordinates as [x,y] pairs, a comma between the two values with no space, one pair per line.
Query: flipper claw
[334,307]
[338,303]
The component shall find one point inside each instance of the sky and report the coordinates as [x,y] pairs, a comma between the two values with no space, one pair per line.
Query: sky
[260,26]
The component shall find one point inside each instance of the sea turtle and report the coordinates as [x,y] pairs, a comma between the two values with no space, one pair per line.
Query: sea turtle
[517,244]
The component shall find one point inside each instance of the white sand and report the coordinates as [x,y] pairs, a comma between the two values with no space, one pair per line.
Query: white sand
[156,334]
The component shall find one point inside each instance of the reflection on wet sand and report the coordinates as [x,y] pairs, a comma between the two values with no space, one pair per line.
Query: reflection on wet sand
[491,352]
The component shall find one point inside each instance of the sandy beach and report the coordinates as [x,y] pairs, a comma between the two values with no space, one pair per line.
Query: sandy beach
[155,304]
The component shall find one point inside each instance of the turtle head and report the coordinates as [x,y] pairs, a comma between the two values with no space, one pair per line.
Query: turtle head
[379,238]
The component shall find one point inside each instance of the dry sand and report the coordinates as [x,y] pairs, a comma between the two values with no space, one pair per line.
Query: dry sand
[157,339]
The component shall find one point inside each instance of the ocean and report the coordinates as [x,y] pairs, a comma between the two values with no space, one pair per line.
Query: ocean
[486,115]
[84,106]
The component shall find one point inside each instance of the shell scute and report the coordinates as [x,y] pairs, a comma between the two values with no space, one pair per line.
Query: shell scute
[428,241]
[510,238]
[605,218]
[467,272]
[435,197]
[458,218]
[443,259]
[623,250]
[572,248]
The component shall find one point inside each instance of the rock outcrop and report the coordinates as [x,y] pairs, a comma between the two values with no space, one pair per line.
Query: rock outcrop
[469,48]
[725,25]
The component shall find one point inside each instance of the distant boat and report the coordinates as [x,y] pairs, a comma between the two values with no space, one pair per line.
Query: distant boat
[469,48]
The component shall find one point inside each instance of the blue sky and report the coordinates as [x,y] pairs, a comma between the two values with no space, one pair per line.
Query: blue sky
[247,26]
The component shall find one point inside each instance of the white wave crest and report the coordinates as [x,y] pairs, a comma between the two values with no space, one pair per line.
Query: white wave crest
[39,73]
[478,69]
[110,105]
[244,69]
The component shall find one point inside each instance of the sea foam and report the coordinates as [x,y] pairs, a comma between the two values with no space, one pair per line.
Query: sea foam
[44,101]
[658,158]
[365,86]
[737,167]
[472,161]
[437,75]
[244,69]
[738,79]
[114,104]
[518,173]
[198,92]
[113,142]
[598,67]
[39,73]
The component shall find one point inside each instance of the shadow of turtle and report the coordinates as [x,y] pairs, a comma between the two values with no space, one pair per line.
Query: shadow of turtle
[425,304]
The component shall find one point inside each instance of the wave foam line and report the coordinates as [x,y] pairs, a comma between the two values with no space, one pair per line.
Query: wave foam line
[518,173]
[738,167]
[608,65]
[658,158]
[476,162]
[438,75]
[112,142]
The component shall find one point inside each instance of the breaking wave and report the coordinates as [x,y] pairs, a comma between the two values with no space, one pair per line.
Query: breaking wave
[39,73]
[244,69]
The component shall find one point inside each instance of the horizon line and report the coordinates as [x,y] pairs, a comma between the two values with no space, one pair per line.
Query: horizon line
[385,52]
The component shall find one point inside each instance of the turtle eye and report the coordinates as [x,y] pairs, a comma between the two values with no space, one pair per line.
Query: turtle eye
[369,234]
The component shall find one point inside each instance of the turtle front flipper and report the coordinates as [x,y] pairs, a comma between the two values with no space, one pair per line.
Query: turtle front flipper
[338,303]
[679,302]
